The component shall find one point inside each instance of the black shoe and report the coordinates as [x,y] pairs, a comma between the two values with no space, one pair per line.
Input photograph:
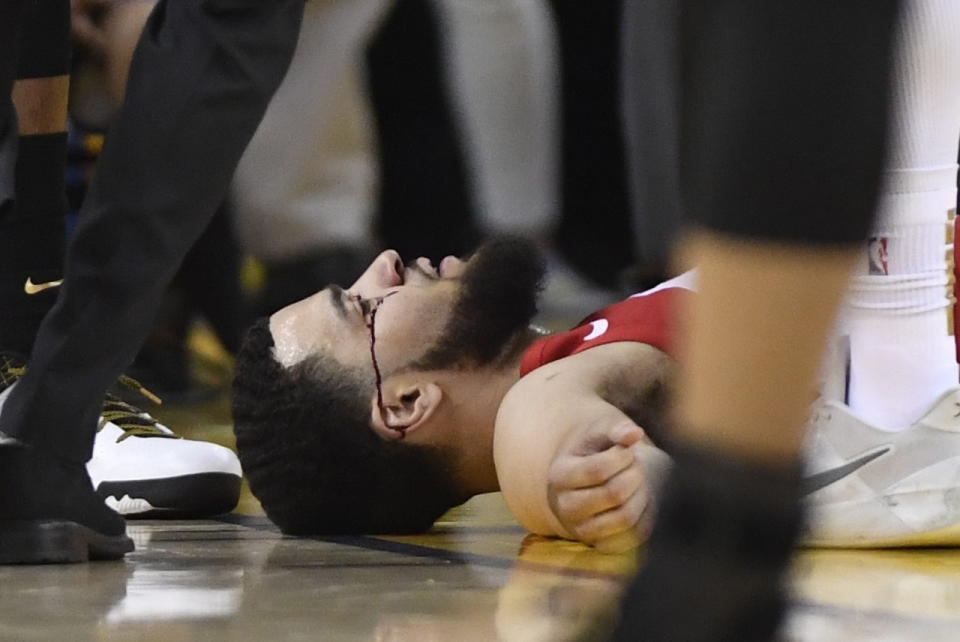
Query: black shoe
[50,514]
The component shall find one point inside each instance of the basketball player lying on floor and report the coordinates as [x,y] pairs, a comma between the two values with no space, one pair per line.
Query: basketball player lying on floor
[377,408]
[471,400]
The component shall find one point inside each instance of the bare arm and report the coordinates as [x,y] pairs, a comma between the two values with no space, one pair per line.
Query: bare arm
[570,459]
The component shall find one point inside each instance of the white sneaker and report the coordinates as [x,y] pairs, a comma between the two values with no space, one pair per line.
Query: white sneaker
[870,488]
[142,469]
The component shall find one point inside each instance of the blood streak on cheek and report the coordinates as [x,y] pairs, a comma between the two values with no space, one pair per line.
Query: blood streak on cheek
[378,377]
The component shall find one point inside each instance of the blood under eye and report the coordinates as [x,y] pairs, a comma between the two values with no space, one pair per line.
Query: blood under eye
[363,305]
[378,377]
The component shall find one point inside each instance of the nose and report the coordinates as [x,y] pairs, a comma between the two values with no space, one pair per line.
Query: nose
[384,272]
[388,268]
[390,258]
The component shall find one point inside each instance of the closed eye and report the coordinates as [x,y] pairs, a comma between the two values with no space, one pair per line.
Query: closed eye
[346,304]
[364,305]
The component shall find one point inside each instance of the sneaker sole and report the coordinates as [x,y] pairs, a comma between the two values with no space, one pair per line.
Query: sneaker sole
[940,528]
[941,537]
[199,495]
[921,510]
[50,541]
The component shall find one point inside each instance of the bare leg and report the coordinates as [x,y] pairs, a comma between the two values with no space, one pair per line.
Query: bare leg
[761,305]
[41,105]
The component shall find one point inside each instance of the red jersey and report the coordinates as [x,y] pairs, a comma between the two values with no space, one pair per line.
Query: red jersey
[648,317]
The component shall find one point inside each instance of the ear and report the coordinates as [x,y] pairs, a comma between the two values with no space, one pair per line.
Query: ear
[406,407]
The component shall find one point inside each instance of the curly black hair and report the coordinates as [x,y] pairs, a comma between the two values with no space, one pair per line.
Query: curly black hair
[312,459]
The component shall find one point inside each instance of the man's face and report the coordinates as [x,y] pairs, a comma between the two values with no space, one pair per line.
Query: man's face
[462,313]
[459,308]
[419,299]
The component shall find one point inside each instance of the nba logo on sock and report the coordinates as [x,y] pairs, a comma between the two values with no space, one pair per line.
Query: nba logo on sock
[877,253]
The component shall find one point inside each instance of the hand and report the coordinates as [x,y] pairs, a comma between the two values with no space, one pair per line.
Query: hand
[599,487]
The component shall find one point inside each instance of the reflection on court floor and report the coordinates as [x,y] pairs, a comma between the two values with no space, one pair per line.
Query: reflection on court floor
[477,578]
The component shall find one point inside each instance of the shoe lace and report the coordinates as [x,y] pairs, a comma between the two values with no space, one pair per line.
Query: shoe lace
[10,371]
[130,419]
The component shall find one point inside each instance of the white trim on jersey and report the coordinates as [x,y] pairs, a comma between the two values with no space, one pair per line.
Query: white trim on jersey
[687,281]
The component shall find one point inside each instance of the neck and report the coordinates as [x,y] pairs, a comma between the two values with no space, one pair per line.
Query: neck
[477,398]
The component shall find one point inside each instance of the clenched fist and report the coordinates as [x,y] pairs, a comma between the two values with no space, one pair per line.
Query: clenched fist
[603,481]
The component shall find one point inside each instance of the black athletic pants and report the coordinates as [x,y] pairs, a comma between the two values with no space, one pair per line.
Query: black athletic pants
[201,79]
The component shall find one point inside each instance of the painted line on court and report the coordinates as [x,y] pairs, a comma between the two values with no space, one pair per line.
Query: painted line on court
[417,550]
[376,544]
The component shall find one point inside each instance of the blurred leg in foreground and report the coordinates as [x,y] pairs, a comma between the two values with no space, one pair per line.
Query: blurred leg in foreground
[782,141]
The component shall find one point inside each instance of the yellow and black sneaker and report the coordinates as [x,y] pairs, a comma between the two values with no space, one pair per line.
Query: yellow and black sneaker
[141,468]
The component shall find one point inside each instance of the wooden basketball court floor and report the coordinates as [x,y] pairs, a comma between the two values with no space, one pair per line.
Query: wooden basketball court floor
[476,577]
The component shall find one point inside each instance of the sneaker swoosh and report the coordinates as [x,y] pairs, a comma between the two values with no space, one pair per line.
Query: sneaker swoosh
[815,482]
[32,288]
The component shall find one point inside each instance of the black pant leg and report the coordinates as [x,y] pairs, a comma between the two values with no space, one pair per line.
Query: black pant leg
[210,278]
[425,205]
[650,77]
[8,154]
[10,16]
[201,78]
[594,232]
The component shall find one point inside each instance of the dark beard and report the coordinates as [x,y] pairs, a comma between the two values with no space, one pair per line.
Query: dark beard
[498,300]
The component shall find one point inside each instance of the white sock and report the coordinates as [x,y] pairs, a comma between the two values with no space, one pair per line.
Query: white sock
[899,320]
[900,362]
[899,312]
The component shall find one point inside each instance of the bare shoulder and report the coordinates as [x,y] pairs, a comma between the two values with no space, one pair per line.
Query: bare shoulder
[541,411]
[610,371]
